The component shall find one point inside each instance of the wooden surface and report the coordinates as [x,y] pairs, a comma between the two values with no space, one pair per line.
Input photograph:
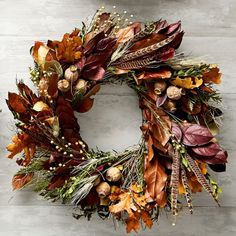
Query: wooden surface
[114,121]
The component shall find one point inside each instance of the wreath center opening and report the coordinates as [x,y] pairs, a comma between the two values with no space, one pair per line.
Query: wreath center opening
[114,121]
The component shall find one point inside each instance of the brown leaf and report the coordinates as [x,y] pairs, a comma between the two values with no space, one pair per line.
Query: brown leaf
[16,103]
[85,105]
[21,180]
[146,219]
[155,178]
[212,76]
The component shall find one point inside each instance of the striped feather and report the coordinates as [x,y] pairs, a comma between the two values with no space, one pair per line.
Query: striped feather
[136,64]
[187,189]
[147,50]
[174,182]
[200,177]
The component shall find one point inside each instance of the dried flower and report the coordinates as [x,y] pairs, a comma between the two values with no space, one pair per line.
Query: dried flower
[63,85]
[103,189]
[113,174]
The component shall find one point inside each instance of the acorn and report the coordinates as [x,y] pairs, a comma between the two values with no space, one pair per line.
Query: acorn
[170,105]
[71,74]
[81,86]
[113,174]
[103,189]
[174,93]
[63,85]
[159,86]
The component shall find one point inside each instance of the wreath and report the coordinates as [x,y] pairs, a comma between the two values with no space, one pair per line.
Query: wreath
[180,119]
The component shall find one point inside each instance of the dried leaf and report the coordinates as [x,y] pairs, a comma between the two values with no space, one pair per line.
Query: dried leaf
[176,130]
[161,74]
[209,150]
[187,82]
[16,103]
[155,178]
[194,135]
[19,181]
[212,76]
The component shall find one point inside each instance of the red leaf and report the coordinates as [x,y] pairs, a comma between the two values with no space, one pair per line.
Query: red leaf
[210,150]
[194,135]
[176,130]
[16,103]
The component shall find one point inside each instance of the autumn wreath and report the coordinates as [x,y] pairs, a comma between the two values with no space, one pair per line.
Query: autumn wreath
[179,111]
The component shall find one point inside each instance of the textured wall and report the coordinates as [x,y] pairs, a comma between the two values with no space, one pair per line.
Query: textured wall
[113,122]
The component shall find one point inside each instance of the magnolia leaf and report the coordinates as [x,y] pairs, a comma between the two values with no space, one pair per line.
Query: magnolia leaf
[187,82]
[195,135]
[210,150]
[19,181]
[176,130]
[155,178]
[16,103]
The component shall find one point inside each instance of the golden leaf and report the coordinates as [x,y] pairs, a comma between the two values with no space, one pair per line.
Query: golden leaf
[187,82]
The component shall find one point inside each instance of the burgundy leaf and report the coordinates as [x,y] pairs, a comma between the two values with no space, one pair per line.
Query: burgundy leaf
[106,44]
[196,135]
[210,150]
[176,130]
[161,99]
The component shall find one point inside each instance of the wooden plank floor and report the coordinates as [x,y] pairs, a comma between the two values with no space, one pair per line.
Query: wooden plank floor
[114,121]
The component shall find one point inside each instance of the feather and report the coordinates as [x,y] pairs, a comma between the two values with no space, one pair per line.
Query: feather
[200,177]
[146,50]
[174,182]
[136,64]
[187,189]
[149,29]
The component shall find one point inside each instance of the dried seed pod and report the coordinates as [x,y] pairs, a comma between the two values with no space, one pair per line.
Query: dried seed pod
[170,105]
[81,86]
[159,86]
[71,74]
[174,93]
[103,189]
[63,85]
[113,174]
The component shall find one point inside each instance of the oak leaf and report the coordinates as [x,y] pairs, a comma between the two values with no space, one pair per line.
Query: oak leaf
[187,82]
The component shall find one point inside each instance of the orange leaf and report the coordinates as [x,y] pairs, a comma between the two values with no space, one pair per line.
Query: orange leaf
[21,180]
[161,74]
[132,224]
[146,219]
[212,76]
[187,82]
[124,204]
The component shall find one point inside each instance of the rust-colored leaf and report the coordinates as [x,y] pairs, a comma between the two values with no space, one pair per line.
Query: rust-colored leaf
[212,76]
[19,181]
[132,224]
[16,103]
[155,178]
[161,74]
